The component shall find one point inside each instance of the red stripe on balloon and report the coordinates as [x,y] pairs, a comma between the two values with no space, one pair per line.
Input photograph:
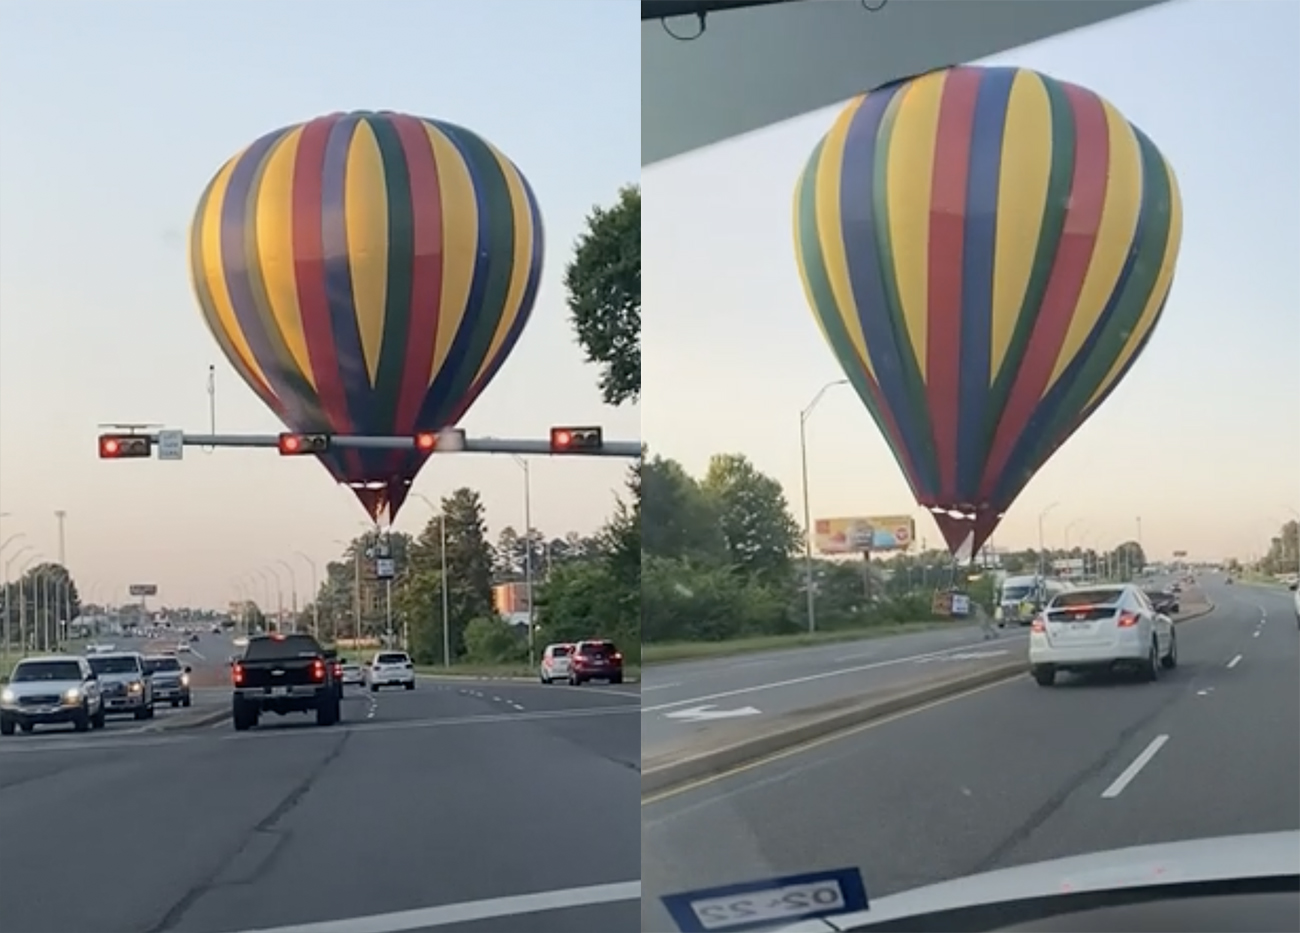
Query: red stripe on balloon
[1065,282]
[951,172]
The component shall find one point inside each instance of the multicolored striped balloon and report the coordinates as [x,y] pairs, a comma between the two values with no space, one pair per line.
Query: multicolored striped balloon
[987,251]
[368,273]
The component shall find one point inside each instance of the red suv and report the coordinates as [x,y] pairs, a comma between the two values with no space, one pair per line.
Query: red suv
[596,659]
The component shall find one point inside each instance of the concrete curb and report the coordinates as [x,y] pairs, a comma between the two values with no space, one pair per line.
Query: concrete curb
[1210,607]
[514,680]
[719,761]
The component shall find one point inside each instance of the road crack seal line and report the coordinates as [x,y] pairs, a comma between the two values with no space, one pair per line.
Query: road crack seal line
[261,845]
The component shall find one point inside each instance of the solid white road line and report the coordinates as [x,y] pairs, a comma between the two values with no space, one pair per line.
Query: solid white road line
[1132,770]
[1234,662]
[470,911]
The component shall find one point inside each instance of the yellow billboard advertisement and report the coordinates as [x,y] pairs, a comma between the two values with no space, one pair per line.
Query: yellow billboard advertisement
[864,533]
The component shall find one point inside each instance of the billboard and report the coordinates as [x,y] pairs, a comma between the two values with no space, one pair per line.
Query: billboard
[143,589]
[861,533]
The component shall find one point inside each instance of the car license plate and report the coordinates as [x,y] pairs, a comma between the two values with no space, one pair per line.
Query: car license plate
[279,691]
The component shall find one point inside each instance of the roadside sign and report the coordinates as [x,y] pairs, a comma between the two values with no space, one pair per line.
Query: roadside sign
[384,568]
[171,445]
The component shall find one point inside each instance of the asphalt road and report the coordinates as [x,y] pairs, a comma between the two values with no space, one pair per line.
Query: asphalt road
[686,702]
[473,806]
[1013,773]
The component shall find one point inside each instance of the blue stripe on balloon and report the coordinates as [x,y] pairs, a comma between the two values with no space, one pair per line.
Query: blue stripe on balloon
[979,239]
[237,273]
[856,169]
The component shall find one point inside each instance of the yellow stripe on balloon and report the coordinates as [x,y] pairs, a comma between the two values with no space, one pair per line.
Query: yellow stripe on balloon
[1164,282]
[521,257]
[273,215]
[1115,232]
[830,229]
[460,223]
[909,182]
[213,272]
[365,199]
[1026,166]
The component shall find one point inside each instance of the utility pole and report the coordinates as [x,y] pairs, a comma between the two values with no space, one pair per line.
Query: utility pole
[60,514]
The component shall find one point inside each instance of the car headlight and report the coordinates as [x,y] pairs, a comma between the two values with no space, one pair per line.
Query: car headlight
[7,696]
[185,680]
[135,686]
[72,696]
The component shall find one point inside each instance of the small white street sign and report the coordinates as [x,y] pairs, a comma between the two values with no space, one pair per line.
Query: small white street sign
[171,445]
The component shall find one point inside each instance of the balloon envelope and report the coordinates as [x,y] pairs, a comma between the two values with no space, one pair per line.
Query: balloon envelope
[367,274]
[987,252]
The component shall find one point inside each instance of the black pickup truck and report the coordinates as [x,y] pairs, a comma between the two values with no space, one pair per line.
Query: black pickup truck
[284,674]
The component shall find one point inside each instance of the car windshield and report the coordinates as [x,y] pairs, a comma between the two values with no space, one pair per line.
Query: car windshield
[560,651]
[597,649]
[122,664]
[1106,596]
[1016,593]
[161,665]
[392,659]
[32,671]
[283,646]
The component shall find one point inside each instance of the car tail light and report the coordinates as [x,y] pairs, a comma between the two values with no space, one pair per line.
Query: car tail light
[1127,619]
[616,656]
[318,669]
[338,671]
[1038,625]
[237,674]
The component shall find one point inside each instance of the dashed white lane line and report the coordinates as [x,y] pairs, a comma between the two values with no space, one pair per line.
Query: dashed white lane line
[1132,771]
[1234,662]
[1256,635]
[497,908]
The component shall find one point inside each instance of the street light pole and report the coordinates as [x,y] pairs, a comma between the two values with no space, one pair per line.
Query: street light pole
[315,594]
[807,507]
[528,556]
[8,631]
[293,589]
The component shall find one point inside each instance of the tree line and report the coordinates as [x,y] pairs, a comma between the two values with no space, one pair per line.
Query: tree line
[723,559]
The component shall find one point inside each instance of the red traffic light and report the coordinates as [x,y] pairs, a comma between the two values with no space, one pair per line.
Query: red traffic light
[576,440]
[124,446]
[426,441]
[291,445]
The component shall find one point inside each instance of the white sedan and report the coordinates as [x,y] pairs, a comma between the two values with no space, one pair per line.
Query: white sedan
[1101,628]
[391,669]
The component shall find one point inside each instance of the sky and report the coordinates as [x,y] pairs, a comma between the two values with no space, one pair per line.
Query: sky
[1202,439]
[114,116]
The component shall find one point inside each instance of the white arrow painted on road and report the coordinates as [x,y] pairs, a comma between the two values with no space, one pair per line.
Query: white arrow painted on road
[709,713]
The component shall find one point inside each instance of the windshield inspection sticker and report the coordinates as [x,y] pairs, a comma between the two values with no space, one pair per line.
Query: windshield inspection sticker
[772,902]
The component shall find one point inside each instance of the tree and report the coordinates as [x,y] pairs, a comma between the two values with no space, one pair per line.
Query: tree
[603,282]
[681,518]
[753,516]
[470,560]
[42,602]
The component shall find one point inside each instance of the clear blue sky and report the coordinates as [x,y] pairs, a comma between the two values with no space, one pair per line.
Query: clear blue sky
[113,117]
[1203,438]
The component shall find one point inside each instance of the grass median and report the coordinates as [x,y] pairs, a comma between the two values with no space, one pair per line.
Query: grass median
[703,650]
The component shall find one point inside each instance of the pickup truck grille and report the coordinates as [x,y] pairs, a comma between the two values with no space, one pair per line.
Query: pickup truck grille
[45,699]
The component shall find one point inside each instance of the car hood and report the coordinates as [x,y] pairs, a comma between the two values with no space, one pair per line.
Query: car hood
[1198,860]
[29,688]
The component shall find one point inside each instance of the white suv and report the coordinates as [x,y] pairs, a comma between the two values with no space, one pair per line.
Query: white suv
[390,669]
[555,663]
[1101,628]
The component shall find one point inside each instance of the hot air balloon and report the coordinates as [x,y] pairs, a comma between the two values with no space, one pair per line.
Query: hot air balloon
[367,274]
[987,252]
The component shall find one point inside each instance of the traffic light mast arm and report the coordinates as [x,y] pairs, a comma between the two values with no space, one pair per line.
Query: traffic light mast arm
[453,441]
